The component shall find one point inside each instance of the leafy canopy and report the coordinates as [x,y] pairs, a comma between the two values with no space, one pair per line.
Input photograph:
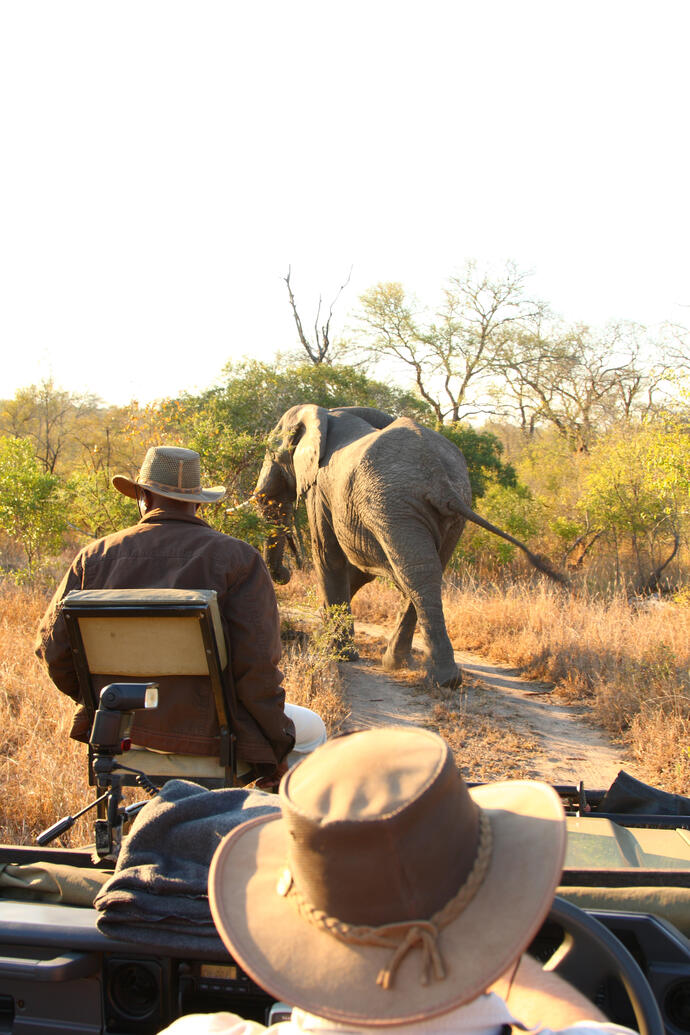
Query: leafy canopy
[31,510]
[482,451]
[253,396]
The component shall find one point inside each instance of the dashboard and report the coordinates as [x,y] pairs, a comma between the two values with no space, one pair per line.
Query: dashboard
[58,973]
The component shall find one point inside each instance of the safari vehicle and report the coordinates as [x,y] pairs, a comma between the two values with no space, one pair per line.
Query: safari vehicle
[626,948]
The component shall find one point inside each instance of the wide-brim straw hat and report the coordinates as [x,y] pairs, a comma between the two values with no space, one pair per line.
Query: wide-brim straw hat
[173,472]
[387,892]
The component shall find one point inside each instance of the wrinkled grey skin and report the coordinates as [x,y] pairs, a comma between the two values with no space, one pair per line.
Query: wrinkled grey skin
[384,497]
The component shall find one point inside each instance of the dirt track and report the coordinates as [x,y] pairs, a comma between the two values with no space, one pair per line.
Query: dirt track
[510,726]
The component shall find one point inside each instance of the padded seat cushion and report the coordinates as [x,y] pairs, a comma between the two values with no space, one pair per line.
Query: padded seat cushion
[178,647]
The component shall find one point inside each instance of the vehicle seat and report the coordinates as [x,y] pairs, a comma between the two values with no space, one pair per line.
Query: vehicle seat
[148,635]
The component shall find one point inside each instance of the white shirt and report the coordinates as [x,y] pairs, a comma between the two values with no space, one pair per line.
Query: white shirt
[485,1015]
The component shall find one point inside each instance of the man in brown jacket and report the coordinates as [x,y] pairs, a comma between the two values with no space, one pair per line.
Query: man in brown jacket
[171,547]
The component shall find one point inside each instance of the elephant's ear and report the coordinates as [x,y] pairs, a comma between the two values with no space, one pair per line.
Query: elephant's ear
[310,428]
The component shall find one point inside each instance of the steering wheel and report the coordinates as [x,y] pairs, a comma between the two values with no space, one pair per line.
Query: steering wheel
[589,953]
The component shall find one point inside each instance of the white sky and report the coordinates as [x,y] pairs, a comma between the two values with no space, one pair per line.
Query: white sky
[163,162]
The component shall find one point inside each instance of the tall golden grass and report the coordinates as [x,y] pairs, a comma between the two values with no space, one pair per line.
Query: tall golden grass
[628,660]
[43,774]
[630,663]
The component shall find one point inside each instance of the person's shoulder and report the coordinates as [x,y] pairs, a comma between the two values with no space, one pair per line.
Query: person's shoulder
[111,539]
[222,1023]
[233,545]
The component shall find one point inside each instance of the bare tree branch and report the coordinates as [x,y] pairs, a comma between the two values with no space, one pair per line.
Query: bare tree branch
[298,322]
[319,352]
[452,356]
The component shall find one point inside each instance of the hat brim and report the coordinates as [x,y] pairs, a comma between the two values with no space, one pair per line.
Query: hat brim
[307,967]
[128,487]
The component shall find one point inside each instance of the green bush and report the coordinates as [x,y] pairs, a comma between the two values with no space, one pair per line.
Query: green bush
[482,451]
[514,510]
[31,504]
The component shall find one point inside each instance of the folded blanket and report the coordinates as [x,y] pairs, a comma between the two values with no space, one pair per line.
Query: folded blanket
[631,797]
[51,882]
[158,892]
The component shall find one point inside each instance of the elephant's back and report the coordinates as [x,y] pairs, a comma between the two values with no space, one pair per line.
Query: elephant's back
[393,493]
[408,445]
[403,473]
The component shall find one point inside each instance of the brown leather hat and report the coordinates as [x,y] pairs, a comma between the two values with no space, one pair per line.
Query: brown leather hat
[173,472]
[387,891]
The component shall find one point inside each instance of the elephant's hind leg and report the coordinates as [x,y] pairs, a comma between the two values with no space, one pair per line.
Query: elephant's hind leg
[425,597]
[448,544]
[440,663]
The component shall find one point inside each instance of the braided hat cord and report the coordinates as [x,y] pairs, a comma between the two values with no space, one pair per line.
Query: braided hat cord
[403,936]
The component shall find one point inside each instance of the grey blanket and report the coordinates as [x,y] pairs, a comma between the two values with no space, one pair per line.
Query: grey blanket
[630,796]
[158,892]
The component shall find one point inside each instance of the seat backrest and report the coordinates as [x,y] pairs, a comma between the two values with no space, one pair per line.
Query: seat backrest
[149,634]
[143,632]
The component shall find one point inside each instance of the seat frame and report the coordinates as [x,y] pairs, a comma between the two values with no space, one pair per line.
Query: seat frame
[74,609]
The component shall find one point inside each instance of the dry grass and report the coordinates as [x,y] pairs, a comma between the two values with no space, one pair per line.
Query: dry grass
[376,602]
[311,675]
[629,662]
[43,774]
[484,746]
[312,680]
[42,771]
[299,591]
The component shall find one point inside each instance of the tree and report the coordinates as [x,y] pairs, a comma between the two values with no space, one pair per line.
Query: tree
[579,380]
[638,493]
[95,507]
[511,507]
[252,396]
[482,451]
[31,511]
[555,476]
[320,351]
[452,356]
[58,423]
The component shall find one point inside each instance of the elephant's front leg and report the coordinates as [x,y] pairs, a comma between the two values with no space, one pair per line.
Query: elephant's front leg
[334,591]
[332,572]
[399,647]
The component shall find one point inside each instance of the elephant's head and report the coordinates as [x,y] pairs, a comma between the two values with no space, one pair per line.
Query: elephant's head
[295,447]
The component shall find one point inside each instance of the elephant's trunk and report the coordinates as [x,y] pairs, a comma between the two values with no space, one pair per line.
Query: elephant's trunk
[279,513]
[274,548]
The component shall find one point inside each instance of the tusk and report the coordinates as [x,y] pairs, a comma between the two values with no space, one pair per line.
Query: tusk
[229,510]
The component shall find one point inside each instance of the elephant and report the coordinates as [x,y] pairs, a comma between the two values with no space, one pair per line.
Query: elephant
[385,497]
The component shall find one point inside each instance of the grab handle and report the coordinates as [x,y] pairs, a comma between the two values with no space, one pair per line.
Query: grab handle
[67,967]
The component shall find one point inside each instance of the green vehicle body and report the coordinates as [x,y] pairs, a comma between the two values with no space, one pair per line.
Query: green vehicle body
[59,973]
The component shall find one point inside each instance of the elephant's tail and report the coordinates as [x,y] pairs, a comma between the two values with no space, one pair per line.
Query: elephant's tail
[541,563]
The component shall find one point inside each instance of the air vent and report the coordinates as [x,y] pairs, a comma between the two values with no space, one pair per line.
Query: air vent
[677,1005]
[134,996]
